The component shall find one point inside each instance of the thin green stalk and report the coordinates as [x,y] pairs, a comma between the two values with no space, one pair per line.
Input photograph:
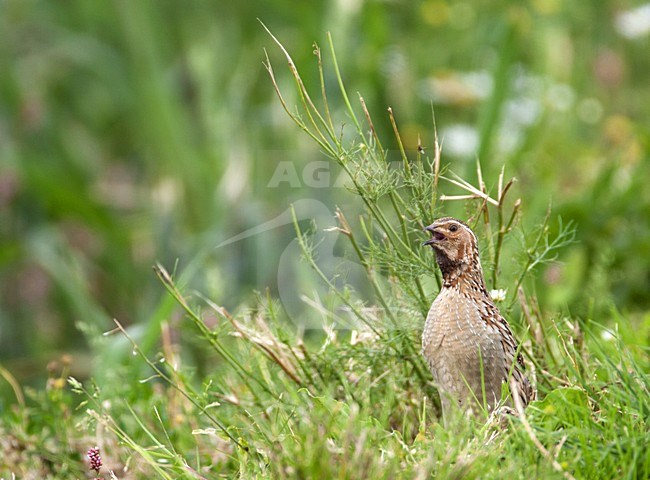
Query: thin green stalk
[167,281]
[373,131]
[400,217]
[502,231]
[423,297]
[15,386]
[497,248]
[322,141]
[321,77]
[407,166]
[344,94]
[483,211]
[304,94]
[161,374]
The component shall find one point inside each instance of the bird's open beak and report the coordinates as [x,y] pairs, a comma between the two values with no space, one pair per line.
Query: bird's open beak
[436,235]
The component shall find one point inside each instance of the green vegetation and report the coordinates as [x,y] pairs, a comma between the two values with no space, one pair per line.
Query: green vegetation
[149,133]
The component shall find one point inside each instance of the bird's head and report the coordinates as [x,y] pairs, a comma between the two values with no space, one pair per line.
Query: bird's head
[453,241]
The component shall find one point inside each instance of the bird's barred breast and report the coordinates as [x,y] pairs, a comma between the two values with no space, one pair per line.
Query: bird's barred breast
[462,349]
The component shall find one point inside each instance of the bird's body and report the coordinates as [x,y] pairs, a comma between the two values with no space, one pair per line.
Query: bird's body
[468,344]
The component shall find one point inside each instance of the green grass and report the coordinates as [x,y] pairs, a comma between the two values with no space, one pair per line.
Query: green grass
[137,134]
[347,406]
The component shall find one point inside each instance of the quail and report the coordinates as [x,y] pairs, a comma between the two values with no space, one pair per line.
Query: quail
[468,344]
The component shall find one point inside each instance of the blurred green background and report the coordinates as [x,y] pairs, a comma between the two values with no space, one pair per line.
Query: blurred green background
[140,131]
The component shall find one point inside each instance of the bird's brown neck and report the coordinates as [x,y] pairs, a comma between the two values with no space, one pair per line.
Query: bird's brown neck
[460,274]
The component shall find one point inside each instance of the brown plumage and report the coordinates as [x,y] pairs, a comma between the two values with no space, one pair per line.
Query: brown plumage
[467,343]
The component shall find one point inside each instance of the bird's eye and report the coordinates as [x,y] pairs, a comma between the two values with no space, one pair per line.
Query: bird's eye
[453,227]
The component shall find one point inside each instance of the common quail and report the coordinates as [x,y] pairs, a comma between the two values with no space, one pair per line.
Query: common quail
[467,343]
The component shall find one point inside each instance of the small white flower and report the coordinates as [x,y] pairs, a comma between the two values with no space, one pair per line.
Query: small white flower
[607,335]
[498,295]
